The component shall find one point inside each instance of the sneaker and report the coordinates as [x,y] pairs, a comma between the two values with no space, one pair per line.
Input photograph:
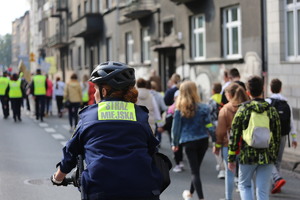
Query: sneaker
[236,183]
[177,169]
[217,167]
[236,180]
[277,185]
[221,174]
[181,165]
[187,195]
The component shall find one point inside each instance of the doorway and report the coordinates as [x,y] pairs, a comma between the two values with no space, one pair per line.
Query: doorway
[167,65]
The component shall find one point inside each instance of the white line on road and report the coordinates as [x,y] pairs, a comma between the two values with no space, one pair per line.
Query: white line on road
[63,143]
[43,124]
[67,127]
[58,136]
[50,130]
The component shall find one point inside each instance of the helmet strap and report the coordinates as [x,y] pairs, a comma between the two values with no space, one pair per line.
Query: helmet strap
[100,91]
[111,91]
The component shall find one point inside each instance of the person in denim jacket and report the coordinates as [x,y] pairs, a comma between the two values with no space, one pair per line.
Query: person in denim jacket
[191,123]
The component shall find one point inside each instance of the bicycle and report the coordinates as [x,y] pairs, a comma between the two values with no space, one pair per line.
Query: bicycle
[75,178]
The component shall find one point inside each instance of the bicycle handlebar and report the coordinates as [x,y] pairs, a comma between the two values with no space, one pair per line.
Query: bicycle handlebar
[70,181]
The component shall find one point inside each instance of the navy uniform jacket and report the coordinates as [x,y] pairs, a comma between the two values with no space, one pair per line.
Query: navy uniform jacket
[117,151]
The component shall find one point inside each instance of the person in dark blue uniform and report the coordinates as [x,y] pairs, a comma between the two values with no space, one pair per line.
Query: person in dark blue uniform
[116,140]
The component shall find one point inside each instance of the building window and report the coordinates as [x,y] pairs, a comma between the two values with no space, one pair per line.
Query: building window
[93,6]
[292,21]
[108,4]
[79,58]
[100,6]
[129,47]
[108,49]
[78,11]
[168,28]
[232,32]
[86,7]
[99,52]
[145,46]
[198,37]
[71,59]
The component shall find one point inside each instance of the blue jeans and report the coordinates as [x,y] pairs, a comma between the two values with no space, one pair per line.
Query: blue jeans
[262,181]
[229,176]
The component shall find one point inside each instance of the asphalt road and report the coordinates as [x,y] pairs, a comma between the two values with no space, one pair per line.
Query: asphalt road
[29,151]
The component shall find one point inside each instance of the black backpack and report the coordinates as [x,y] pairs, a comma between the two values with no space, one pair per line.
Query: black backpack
[284,112]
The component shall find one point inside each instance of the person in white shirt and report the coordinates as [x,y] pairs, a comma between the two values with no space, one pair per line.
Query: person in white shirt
[287,127]
[145,98]
[59,95]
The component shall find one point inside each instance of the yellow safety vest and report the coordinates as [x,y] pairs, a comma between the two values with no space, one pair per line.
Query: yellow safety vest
[39,85]
[3,85]
[85,96]
[15,89]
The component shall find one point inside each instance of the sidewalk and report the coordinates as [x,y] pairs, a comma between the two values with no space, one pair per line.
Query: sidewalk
[291,156]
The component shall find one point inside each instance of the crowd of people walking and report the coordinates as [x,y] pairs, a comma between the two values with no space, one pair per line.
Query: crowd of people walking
[225,120]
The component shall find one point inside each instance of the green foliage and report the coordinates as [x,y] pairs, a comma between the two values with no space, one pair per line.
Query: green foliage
[5,50]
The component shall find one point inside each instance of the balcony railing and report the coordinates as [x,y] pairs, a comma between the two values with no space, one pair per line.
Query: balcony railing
[88,24]
[182,1]
[139,8]
[57,41]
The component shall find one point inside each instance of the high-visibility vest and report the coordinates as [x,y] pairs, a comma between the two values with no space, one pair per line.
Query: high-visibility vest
[85,96]
[3,85]
[15,89]
[39,85]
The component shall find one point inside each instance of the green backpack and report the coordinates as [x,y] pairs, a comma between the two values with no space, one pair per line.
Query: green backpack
[258,134]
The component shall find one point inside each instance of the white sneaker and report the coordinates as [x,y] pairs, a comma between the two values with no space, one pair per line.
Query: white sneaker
[236,183]
[181,165]
[177,169]
[218,167]
[236,180]
[221,174]
[187,195]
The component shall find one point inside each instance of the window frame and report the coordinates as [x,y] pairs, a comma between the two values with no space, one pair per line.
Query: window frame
[109,52]
[195,31]
[294,8]
[129,47]
[230,25]
[79,59]
[146,51]
[108,4]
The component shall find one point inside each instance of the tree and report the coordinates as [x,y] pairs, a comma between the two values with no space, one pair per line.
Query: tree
[5,50]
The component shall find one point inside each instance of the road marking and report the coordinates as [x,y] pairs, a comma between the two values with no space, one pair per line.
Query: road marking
[63,143]
[58,136]
[50,130]
[67,127]
[43,124]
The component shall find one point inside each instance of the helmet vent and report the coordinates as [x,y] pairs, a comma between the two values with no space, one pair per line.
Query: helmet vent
[118,64]
[106,63]
[117,79]
[126,75]
[108,71]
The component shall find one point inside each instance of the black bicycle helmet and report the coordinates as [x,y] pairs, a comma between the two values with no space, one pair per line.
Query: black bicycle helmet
[115,74]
